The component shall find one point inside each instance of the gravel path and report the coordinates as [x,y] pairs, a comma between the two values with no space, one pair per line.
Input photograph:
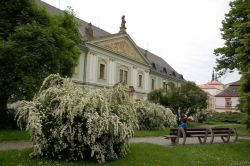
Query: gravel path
[11,145]
[18,145]
[166,142]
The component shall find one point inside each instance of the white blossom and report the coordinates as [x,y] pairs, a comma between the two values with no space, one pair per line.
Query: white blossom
[154,116]
[65,121]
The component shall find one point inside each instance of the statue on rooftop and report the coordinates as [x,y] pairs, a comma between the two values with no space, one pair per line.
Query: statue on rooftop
[123,27]
[89,32]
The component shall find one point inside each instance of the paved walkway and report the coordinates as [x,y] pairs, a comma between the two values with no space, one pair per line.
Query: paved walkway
[165,142]
[12,145]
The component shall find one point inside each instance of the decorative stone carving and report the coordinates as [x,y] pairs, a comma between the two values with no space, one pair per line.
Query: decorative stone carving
[123,27]
[123,47]
[89,32]
[92,53]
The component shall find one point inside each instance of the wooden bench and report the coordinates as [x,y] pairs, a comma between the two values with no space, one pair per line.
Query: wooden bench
[202,134]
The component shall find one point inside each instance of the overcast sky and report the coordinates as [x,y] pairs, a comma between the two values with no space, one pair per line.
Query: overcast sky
[182,32]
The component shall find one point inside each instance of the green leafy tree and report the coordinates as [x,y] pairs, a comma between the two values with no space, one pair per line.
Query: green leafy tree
[33,44]
[187,98]
[158,96]
[235,54]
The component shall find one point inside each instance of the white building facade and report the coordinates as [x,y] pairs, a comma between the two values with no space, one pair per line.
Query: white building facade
[108,59]
[228,99]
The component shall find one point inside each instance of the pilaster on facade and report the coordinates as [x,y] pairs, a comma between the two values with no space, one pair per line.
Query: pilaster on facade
[111,72]
[134,78]
[146,82]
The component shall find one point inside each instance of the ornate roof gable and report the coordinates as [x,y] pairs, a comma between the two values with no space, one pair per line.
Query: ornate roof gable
[121,44]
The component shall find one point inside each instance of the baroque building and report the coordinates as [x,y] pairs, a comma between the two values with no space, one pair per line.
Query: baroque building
[107,59]
[222,98]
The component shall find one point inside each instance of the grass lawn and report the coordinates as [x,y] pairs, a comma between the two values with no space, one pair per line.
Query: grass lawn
[143,154]
[151,133]
[13,135]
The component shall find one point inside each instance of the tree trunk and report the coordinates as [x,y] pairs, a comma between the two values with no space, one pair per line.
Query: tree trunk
[3,110]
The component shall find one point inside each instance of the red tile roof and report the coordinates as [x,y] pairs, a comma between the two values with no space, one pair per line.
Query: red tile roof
[231,91]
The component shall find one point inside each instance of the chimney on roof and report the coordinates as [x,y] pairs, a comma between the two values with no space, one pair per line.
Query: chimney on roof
[89,32]
[123,27]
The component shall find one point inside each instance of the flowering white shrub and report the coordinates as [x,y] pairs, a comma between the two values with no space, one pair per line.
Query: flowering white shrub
[154,116]
[67,122]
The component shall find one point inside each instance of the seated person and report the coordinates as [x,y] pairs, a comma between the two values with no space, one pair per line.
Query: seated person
[183,124]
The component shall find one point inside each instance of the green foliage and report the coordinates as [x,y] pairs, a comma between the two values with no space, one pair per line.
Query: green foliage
[33,44]
[154,116]
[236,33]
[66,122]
[188,98]
[229,117]
[158,96]
[20,12]
[245,95]
[236,50]
[203,115]
[9,119]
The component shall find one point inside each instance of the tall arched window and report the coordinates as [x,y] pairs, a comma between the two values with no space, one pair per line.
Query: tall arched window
[140,80]
[165,86]
[123,74]
[102,69]
[152,84]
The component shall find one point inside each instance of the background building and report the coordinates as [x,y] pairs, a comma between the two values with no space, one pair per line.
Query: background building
[228,99]
[222,98]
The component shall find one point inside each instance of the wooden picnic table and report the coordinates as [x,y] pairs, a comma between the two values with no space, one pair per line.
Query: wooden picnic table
[202,134]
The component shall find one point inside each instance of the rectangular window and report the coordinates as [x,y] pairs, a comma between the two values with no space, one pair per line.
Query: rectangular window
[153,84]
[102,71]
[228,102]
[123,76]
[165,86]
[140,80]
